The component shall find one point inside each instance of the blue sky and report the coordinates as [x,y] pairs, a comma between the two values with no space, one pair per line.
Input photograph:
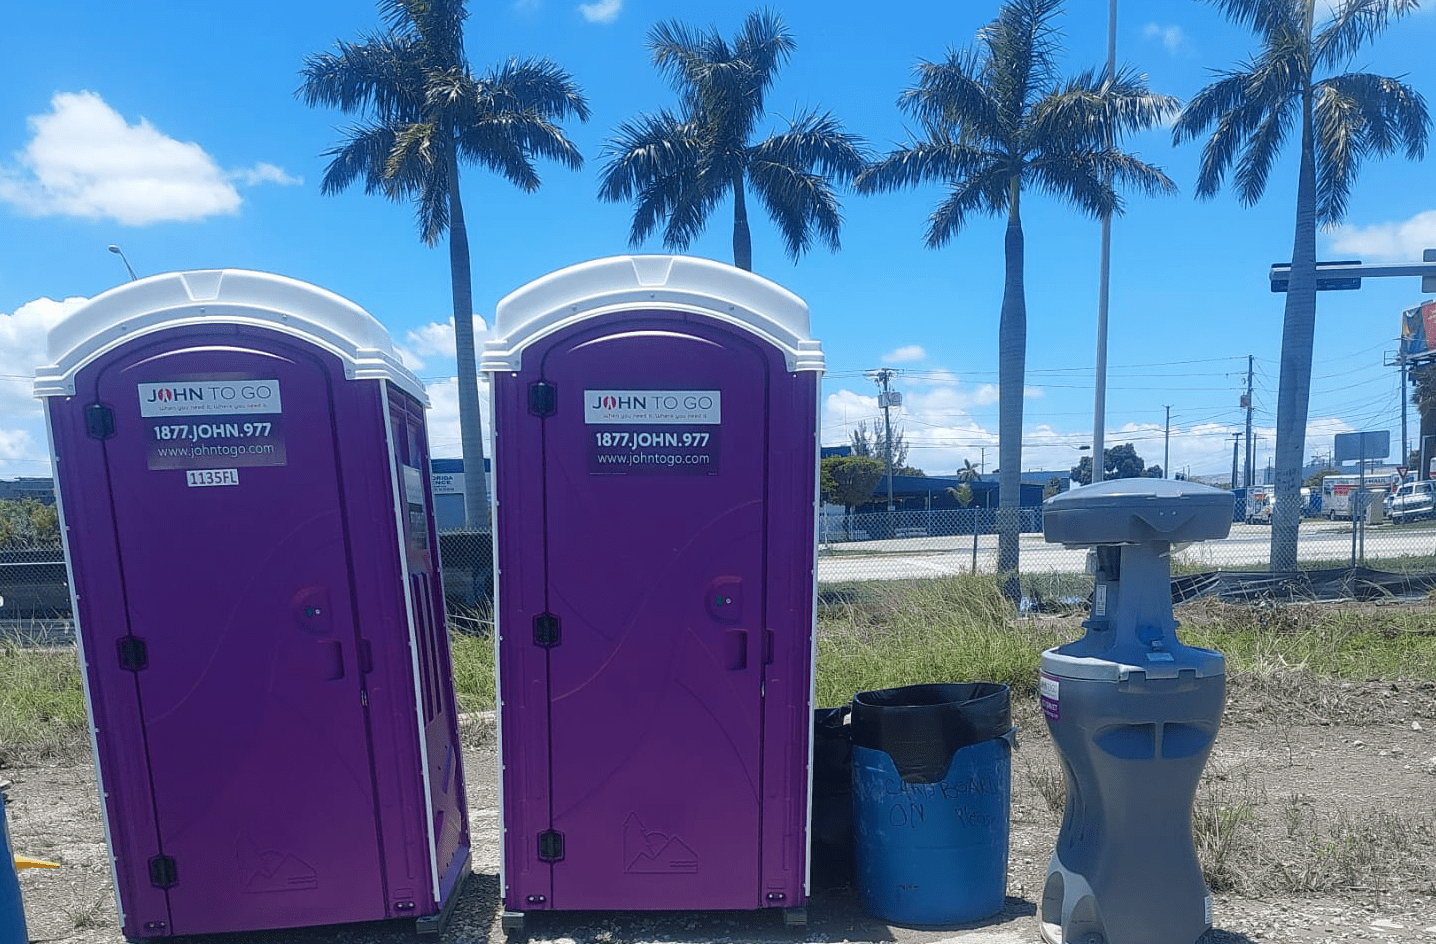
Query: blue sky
[174,133]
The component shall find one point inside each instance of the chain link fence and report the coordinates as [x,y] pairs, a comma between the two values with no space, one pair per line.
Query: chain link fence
[903,545]
[899,545]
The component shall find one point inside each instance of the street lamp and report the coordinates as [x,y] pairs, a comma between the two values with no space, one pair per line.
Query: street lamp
[117,251]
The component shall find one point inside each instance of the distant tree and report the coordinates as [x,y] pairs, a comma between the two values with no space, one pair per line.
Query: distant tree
[1053,487]
[678,168]
[1121,462]
[963,494]
[850,480]
[969,472]
[1336,122]
[26,523]
[871,444]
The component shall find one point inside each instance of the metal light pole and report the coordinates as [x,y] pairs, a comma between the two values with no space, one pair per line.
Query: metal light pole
[117,251]
[1099,410]
[1167,446]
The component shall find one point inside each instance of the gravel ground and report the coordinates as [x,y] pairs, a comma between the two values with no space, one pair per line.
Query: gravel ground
[1368,757]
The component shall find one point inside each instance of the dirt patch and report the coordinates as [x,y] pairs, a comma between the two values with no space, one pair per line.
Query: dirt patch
[1316,821]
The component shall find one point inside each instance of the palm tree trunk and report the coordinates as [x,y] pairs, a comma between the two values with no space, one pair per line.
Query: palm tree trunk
[1011,378]
[742,238]
[1294,391]
[471,432]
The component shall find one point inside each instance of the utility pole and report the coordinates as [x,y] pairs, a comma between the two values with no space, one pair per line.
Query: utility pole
[1247,402]
[884,378]
[1236,443]
[1167,445]
[1099,410]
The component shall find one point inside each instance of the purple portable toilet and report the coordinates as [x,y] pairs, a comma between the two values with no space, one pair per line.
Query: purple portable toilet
[655,466]
[239,461]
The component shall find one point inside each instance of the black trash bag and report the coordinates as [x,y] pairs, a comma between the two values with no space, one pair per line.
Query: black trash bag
[922,726]
[832,836]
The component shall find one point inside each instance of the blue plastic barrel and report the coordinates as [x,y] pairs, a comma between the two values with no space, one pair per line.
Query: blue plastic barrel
[932,790]
[12,910]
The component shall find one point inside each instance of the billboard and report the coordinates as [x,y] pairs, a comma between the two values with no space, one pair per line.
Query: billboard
[1418,330]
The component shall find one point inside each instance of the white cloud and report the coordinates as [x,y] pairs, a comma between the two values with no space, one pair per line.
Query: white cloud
[436,339]
[265,173]
[85,160]
[1171,37]
[906,354]
[1401,241]
[445,441]
[24,447]
[601,11]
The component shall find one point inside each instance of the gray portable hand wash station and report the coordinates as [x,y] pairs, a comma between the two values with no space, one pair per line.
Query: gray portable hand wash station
[1133,713]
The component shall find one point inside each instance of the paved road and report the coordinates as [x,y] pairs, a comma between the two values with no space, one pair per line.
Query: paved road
[1247,547]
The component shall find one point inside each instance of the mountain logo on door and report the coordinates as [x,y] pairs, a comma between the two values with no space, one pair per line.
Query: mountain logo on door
[271,871]
[646,850]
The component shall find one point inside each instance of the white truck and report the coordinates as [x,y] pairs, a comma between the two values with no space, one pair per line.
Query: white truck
[1337,492]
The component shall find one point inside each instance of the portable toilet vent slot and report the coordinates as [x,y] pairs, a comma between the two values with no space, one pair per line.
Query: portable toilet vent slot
[242,477]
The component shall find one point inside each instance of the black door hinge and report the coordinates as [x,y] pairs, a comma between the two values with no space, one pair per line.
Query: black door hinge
[134,654]
[550,846]
[163,873]
[99,421]
[547,630]
[543,398]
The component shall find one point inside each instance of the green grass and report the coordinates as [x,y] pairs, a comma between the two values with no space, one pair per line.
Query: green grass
[1323,640]
[473,658]
[958,629]
[881,634]
[42,704]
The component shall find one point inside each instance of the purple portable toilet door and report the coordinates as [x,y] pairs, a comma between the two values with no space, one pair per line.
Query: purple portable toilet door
[238,655]
[649,612]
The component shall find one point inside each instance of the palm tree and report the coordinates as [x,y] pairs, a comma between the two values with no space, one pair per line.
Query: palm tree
[969,472]
[425,113]
[676,168]
[1343,118]
[996,118]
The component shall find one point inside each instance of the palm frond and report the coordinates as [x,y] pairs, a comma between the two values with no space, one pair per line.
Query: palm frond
[692,203]
[1092,109]
[678,51]
[1354,24]
[766,45]
[1076,178]
[1020,49]
[802,204]
[1262,147]
[539,86]
[647,149]
[1355,115]
[940,160]
[951,95]
[1265,17]
[815,143]
[985,193]
[382,73]
[363,155]
[1212,103]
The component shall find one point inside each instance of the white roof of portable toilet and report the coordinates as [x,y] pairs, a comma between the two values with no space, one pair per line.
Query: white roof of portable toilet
[226,296]
[676,283]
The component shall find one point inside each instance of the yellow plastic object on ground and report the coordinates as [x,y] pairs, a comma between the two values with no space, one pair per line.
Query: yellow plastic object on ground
[25,862]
